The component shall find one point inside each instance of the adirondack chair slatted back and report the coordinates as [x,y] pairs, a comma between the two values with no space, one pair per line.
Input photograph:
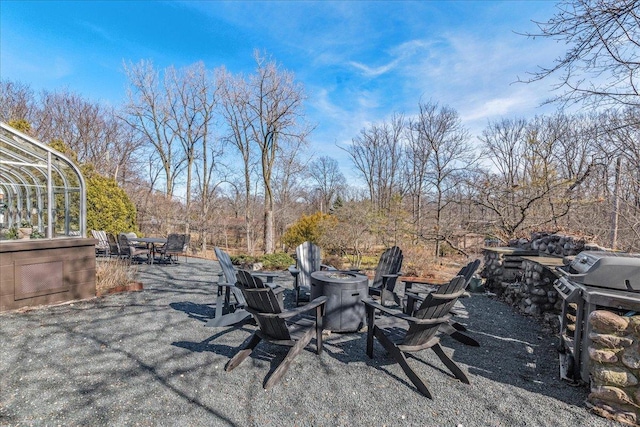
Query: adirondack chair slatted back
[308,261]
[102,236]
[262,300]
[226,265]
[390,263]
[468,270]
[436,304]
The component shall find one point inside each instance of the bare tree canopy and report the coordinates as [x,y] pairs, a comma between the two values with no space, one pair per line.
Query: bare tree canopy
[601,64]
[325,173]
[377,154]
[276,118]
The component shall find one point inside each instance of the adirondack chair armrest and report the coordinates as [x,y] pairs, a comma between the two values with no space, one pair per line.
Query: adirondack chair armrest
[400,315]
[387,277]
[414,295]
[299,310]
[277,289]
[224,284]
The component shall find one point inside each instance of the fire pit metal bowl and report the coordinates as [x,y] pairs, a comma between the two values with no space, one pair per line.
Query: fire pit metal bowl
[345,291]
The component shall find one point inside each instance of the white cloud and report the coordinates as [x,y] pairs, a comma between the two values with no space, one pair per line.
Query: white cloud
[494,107]
[375,71]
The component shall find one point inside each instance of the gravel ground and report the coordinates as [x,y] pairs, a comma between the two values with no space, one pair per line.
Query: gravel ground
[146,358]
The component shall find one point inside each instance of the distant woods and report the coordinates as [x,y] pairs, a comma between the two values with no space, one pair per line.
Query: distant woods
[224,157]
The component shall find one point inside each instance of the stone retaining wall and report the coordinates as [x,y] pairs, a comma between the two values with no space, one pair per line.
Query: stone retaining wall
[536,292]
[615,366]
[554,244]
[528,284]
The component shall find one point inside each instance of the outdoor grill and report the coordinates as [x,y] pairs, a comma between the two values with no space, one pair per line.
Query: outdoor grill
[593,280]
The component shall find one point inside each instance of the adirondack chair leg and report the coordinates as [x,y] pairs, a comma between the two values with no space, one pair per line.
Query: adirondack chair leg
[226,314]
[458,326]
[319,327]
[244,353]
[370,328]
[448,329]
[284,365]
[450,364]
[296,286]
[402,361]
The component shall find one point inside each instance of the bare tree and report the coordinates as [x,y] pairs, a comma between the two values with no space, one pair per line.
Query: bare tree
[624,153]
[450,155]
[191,102]
[234,95]
[288,187]
[326,176]
[417,153]
[535,186]
[17,102]
[601,64]
[377,154]
[275,110]
[92,130]
[148,112]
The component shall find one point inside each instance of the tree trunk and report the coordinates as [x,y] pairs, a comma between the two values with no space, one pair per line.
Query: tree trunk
[269,241]
[616,205]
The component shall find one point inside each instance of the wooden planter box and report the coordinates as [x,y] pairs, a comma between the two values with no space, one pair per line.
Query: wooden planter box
[43,271]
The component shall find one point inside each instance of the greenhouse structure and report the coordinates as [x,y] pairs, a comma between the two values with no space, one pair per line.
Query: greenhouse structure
[45,256]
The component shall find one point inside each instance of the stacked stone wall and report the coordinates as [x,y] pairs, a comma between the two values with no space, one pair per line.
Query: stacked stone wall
[554,244]
[615,366]
[500,267]
[536,291]
[527,284]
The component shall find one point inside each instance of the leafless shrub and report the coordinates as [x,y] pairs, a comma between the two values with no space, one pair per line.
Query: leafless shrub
[113,273]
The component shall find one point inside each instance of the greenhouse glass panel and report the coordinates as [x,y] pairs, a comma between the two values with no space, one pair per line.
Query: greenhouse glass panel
[37,183]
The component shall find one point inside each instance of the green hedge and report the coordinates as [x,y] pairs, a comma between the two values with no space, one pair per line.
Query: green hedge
[277,261]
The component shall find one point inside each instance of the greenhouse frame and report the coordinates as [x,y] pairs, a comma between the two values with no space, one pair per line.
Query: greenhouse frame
[38,183]
[45,257]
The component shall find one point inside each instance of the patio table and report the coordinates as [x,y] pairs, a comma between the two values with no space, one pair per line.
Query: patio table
[151,243]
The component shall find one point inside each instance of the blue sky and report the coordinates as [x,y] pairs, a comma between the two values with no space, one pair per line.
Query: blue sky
[359,61]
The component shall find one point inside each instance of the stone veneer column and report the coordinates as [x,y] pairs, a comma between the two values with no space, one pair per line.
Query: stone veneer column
[615,366]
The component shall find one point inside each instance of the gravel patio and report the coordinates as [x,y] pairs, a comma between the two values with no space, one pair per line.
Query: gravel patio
[146,358]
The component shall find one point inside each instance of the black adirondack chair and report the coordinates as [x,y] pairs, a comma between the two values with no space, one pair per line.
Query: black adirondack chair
[308,260]
[230,302]
[277,326]
[400,333]
[452,328]
[386,275]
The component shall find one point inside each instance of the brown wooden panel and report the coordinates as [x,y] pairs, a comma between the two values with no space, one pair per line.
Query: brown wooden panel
[79,261]
[74,278]
[43,271]
[39,276]
[83,290]
[7,279]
